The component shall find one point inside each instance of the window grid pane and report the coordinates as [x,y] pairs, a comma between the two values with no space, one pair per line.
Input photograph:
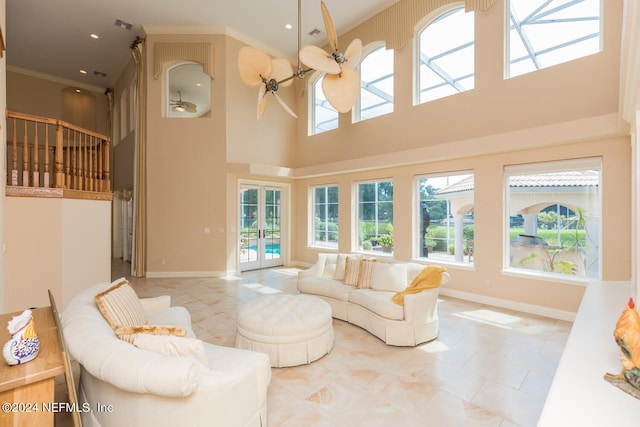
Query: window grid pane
[446,56]
[376,84]
[325,217]
[375,216]
[546,33]
[325,117]
[445,218]
[553,222]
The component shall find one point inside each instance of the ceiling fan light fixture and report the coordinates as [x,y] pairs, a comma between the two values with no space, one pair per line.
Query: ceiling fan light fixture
[179,108]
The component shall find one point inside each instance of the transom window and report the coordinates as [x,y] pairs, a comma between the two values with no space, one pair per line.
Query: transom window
[543,33]
[325,216]
[375,216]
[324,116]
[376,85]
[445,56]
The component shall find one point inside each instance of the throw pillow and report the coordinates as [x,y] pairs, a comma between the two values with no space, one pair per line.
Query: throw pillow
[340,266]
[172,346]
[365,272]
[128,333]
[120,305]
[389,277]
[351,269]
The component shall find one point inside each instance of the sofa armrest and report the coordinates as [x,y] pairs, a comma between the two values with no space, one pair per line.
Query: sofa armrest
[156,303]
[421,307]
[316,269]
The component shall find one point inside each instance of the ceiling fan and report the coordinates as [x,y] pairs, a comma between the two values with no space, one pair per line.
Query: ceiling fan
[183,106]
[341,83]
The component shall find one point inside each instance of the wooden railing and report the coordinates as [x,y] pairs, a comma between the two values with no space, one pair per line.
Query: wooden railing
[49,153]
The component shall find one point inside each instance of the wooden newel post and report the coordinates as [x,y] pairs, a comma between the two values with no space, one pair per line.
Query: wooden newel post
[106,185]
[59,158]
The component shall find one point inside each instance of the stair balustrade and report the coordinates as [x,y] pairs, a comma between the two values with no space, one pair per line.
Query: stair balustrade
[45,153]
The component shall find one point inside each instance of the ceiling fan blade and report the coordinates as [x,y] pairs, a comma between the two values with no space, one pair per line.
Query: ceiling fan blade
[190,107]
[353,54]
[342,90]
[252,64]
[316,58]
[328,25]
[284,105]
[282,69]
[262,101]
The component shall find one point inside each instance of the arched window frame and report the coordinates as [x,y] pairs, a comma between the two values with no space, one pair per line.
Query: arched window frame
[313,84]
[448,82]
[535,51]
[370,49]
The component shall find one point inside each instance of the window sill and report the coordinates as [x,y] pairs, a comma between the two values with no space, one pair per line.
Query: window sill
[569,280]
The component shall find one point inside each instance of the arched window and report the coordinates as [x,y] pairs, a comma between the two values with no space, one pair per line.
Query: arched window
[376,85]
[445,56]
[550,32]
[189,91]
[323,116]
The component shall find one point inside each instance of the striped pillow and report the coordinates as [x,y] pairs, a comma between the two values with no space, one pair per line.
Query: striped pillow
[351,269]
[365,273]
[120,305]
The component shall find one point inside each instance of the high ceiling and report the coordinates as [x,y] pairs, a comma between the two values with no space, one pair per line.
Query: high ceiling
[53,37]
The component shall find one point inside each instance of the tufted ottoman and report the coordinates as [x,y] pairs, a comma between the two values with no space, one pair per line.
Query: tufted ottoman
[292,329]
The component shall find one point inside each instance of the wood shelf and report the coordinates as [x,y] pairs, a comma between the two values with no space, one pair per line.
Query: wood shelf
[34,382]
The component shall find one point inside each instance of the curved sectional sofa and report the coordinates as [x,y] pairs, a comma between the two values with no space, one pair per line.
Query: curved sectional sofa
[371,307]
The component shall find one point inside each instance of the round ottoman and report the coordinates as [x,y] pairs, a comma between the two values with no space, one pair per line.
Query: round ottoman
[291,329]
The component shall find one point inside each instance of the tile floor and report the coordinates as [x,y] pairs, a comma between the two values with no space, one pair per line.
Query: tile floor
[488,367]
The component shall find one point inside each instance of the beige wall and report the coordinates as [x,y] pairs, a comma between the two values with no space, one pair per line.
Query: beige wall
[489,219]
[563,112]
[186,177]
[37,95]
[587,87]
[58,244]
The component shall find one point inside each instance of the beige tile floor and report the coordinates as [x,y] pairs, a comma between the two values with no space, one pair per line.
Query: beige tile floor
[488,367]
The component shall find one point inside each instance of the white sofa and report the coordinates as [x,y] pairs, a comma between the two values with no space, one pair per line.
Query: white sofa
[144,388]
[410,324]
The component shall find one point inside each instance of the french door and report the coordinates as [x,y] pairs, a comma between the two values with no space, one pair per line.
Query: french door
[260,227]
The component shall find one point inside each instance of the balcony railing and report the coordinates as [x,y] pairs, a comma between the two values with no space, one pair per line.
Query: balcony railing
[45,153]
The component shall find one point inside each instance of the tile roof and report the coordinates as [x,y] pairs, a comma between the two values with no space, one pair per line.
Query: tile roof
[582,178]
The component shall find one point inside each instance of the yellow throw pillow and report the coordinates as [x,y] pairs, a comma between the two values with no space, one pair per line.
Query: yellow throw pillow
[128,333]
[120,305]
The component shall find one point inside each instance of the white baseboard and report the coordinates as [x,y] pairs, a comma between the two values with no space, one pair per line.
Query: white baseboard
[171,274]
[513,305]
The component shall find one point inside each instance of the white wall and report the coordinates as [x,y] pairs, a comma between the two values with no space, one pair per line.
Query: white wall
[54,243]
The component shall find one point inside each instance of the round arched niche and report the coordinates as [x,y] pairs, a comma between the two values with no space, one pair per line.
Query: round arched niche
[188,91]
[79,108]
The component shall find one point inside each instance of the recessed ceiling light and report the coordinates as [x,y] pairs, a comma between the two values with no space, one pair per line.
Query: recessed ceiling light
[83,71]
[94,36]
[77,90]
[288,26]
[198,84]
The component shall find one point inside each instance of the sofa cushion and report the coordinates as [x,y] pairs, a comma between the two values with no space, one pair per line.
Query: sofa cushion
[377,301]
[364,273]
[169,345]
[120,305]
[325,287]
[390,277]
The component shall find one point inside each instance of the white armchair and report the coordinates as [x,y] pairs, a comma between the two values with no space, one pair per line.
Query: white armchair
[137,387]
